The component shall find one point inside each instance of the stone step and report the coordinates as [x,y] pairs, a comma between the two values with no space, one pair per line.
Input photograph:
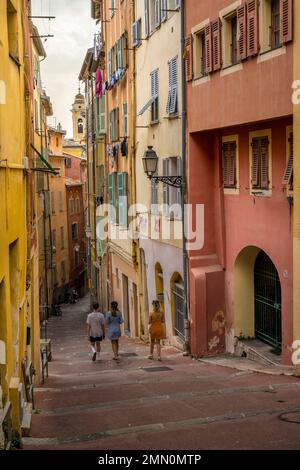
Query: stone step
[26,422]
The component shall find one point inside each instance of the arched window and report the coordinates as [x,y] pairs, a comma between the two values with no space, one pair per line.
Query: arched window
[80,126]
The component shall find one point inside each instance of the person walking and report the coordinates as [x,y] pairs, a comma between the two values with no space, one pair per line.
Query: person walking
[96,330]
[156,329]
[114,320]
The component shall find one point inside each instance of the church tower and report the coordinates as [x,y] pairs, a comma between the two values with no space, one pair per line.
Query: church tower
[78,115]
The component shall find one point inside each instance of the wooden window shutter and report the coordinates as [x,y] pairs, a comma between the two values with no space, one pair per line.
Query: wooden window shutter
[166,192]
[157,13]
[264,162]
[164,8]
[242,32]
[147,25]
[189,58]
[252,27]
[286,20]
[117,124]
[288,174]
[111,196]
[229,164]
[255,163]
[216,44]
[208,49]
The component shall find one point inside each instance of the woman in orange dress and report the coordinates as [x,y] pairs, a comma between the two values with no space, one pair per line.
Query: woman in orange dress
[156,329]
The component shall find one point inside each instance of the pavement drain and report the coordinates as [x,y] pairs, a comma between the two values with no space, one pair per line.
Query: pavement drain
[128,354]
[156,369]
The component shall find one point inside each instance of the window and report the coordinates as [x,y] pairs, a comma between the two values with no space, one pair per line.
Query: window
[154,96]
[136,31]
[112,196]
[62,238]
[288,178]
[12,29]
[200,70]
[71,205]
[76,259]
[275,24]
[74,231]
[80,126]
[230,38]
[37,119]
[68,162]
[53,202]
[53,238]
[60,201]
[63,271]
[114,125]
[112,8]
[125,120]
[154,196]
[77,205]
[101,116]
[122,180]
[175,169]
[146,18]
[172,103]
[229,164]
[166,188]
[260,163]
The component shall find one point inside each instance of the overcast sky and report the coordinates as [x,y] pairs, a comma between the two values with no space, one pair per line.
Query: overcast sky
[73,31]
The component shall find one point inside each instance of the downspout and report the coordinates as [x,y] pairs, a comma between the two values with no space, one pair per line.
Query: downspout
[184,186]
[88,245]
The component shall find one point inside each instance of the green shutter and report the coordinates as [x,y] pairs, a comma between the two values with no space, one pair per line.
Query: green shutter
[109,65]
[102,115]
[122,198]
[111,126]
[117,124]
[119,53]
[125,120]
[111,196]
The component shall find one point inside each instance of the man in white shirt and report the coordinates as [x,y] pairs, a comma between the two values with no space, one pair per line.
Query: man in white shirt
[96,330]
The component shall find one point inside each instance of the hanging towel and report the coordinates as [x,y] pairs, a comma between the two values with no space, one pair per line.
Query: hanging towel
[99,83]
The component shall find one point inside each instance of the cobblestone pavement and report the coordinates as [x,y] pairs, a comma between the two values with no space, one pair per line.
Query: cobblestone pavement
[191,405]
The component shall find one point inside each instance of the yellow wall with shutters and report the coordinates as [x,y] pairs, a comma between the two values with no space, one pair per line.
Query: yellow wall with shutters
[12,204]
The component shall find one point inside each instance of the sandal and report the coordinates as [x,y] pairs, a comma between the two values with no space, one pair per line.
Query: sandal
[150,357]
[159,359]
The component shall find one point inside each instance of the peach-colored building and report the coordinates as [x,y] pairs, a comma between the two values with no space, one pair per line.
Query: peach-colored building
[240,149]
[59,220]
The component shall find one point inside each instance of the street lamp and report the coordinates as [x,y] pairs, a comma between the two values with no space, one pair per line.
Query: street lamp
[150,161]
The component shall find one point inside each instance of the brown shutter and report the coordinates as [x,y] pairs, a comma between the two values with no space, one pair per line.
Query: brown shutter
[255,162]
[208,49]
[189,58]
[264,163]
[229,164]
[286,20]
[216,44]
[290,163]
[252,27]
[242,31]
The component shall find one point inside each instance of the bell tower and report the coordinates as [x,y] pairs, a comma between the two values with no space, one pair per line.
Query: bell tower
[78,115]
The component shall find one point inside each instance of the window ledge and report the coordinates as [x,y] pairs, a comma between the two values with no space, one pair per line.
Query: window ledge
[172,116]
[231,191]
[261,192]
[154,123]
[228,70]
[271,54]
[201,80]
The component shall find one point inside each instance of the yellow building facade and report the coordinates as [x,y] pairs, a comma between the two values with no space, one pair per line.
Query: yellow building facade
[13,238]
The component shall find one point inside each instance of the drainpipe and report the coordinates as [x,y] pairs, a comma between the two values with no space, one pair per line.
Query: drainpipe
[94,182]
[184,185]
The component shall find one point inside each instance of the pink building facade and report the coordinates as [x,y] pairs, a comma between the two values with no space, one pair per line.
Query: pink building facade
[240,147]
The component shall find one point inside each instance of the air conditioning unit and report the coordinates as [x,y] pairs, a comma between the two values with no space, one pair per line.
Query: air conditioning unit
[26,163]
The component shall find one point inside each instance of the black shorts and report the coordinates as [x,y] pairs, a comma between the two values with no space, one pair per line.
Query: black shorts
[94,340]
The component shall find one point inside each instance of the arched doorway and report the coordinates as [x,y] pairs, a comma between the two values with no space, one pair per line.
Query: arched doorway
[267,301]
[177,304]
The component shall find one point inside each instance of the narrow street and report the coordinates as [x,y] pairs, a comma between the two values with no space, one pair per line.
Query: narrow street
[105,405]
